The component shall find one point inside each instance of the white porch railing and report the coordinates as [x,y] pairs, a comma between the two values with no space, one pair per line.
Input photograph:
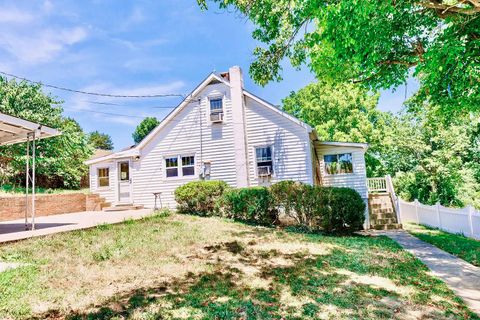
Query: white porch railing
[377,184]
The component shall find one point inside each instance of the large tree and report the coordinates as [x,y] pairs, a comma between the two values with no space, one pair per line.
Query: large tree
[144,128]
[377,43]
[341,112]
[59,159]
[433,161]
[100,140]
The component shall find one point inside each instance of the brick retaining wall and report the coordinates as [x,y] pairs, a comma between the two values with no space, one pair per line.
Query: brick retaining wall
[12,208]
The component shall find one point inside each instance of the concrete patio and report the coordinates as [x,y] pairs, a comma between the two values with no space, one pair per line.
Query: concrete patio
[15,230]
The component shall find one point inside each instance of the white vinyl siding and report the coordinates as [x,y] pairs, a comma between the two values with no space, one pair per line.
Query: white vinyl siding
[181,136]
[356,180]
[290,144]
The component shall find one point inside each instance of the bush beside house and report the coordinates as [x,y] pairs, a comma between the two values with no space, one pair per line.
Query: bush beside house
[315,208]
[200,197]
[252,205]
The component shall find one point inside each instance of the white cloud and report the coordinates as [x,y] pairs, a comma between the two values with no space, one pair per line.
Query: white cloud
[14,15]
[40,46]
[47,6]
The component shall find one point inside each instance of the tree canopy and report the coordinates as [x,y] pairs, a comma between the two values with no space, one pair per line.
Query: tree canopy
[434,161]
[376,43]
[59,159]
[430,160]
[144,128]
[100,140]
[340,112]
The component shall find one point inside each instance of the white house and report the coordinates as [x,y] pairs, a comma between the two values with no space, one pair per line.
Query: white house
[223,132]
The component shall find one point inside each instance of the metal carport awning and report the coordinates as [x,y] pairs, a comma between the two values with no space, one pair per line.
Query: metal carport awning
[15,130]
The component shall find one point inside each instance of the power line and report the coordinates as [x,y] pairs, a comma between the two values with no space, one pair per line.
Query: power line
[107,113]
[124,105]
[94,93]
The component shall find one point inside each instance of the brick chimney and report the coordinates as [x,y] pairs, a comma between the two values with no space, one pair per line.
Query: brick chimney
[238,113]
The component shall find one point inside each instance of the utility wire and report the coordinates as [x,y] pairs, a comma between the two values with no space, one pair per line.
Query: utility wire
[124,105]
[106,113]
[94,93]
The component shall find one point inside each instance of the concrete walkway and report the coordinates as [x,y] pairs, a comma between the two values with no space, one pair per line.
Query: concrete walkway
[462,277]
[15,230]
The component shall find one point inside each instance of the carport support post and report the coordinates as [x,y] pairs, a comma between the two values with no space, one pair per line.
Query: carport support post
[27,178]
[33,181]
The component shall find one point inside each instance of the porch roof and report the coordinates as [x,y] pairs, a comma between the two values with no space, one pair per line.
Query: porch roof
[15,130]
[341,144]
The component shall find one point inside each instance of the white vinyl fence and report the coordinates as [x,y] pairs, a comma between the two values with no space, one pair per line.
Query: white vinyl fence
[465,221]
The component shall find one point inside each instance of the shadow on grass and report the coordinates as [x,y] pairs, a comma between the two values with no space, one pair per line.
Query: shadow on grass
[246,281]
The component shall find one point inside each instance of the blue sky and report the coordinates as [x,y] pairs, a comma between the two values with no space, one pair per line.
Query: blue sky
[133,47]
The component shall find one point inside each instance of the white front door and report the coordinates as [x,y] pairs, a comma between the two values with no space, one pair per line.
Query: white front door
[124,182]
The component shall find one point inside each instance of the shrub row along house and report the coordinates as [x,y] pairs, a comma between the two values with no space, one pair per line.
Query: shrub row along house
[223,132]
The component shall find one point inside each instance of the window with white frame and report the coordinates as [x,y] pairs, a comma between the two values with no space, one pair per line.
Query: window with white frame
[264,161]
[216,109]
[341,163]
[180,166]
[171,167]
[188,166]
[103,177]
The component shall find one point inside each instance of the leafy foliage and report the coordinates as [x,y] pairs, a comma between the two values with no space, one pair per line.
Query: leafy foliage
[59,159]
[431,158]
[100,140]
[253,205]
[341,112]
[200,197]
[144,128]
[320,208]
[373,42]
[433,161]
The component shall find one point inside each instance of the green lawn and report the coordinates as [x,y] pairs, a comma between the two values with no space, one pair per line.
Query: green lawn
[184,267]
[465,248]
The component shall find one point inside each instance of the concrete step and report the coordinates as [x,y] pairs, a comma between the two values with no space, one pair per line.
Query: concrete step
[391,226]
[383,216]
[384,221]
[123,207]
[382,211]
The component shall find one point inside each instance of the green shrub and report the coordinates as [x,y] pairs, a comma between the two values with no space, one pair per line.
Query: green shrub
[253,205]
[340,209]
[200,197]
[287,196]
[320,208]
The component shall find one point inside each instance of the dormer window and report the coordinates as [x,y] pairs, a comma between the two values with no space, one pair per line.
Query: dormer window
[216,110]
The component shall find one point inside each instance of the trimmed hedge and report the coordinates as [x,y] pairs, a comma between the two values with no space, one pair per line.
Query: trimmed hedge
[200,197]
[329,209]
[253,205]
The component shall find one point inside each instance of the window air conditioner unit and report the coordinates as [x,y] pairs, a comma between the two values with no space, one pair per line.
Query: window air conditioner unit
[264,171]
[216,117]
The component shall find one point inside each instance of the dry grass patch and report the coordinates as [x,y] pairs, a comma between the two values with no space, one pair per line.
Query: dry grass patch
[184,267]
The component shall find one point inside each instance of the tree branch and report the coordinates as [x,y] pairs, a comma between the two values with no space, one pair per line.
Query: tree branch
[465,7]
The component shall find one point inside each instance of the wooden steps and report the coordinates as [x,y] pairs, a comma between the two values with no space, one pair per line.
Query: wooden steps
[382,212]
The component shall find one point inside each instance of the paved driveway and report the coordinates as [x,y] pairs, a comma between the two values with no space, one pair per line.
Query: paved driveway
[15,229]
